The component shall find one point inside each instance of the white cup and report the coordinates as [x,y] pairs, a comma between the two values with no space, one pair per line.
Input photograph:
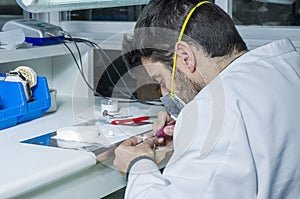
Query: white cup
[110,105]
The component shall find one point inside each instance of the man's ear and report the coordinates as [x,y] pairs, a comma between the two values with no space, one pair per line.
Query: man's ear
[185,55]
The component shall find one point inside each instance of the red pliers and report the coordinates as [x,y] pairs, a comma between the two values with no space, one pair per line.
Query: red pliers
[141,121]
[137,121]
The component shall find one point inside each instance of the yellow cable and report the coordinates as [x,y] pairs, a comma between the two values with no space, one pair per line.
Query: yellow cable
[179,39]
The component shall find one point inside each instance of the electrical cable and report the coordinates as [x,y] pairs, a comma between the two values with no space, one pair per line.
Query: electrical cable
[79,53]
[80,68]
[96,46]
[147,102]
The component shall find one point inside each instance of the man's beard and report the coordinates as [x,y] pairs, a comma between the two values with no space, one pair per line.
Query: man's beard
[187,89]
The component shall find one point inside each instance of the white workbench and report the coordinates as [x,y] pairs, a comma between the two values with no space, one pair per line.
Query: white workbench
[32,171]
[35,172]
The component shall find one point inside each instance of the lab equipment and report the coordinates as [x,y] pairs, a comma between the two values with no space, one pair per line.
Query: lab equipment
[159,134]
[36,6]
[28,73]
[18,77]
[137,121]
[105,113]
[78,133]
[24,75]
[36,32]
[109,105]
[117,115]
[14,107]
[53,106]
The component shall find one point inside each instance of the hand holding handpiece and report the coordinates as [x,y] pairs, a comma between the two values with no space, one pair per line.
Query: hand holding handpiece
[134,147]
[160,134]
[129,150]
[163,130]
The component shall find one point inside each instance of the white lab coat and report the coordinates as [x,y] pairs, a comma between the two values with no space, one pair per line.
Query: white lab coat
[239,138]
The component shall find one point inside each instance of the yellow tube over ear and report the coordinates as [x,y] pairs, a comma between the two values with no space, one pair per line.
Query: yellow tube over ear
[179,39]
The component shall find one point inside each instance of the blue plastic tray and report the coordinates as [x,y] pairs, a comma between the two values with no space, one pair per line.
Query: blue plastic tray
[14,108]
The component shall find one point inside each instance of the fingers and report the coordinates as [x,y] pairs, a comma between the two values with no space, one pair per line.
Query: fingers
[162,118]
[129,150]
[169,130]
[146,149]
[160,140]
[164,121]
[130,142]
[149,143]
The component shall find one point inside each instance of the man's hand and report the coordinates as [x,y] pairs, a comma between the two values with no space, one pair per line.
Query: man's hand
[164,118]
[129,150]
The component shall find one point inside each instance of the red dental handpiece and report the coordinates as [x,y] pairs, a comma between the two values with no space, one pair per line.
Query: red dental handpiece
[160,133]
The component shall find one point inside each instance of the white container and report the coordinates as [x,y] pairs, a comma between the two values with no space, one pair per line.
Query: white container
[53,106]
[109,105]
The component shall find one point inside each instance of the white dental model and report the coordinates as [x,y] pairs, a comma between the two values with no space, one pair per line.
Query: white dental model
[78,133]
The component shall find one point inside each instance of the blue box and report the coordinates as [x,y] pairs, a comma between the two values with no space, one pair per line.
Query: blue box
[44,41]
[15,109]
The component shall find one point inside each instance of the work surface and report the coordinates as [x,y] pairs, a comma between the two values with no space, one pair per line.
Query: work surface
[34,171]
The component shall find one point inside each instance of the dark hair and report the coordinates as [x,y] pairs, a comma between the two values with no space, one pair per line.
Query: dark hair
[158,27]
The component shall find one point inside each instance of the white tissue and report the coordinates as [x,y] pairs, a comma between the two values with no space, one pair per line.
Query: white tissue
[11,39]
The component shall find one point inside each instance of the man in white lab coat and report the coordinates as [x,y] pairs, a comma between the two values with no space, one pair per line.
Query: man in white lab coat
[238,136]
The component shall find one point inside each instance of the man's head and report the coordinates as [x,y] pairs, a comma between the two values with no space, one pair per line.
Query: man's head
[210,42]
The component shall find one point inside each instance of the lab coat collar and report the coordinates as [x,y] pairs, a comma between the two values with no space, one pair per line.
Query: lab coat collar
[274,48]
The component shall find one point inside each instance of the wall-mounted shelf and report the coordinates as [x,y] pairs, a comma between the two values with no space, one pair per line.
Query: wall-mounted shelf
[55,63]
[37,52]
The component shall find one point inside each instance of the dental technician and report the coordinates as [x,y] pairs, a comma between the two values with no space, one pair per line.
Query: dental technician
[238,136]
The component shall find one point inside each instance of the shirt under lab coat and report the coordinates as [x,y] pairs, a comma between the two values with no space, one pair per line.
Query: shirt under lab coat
[239,138]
